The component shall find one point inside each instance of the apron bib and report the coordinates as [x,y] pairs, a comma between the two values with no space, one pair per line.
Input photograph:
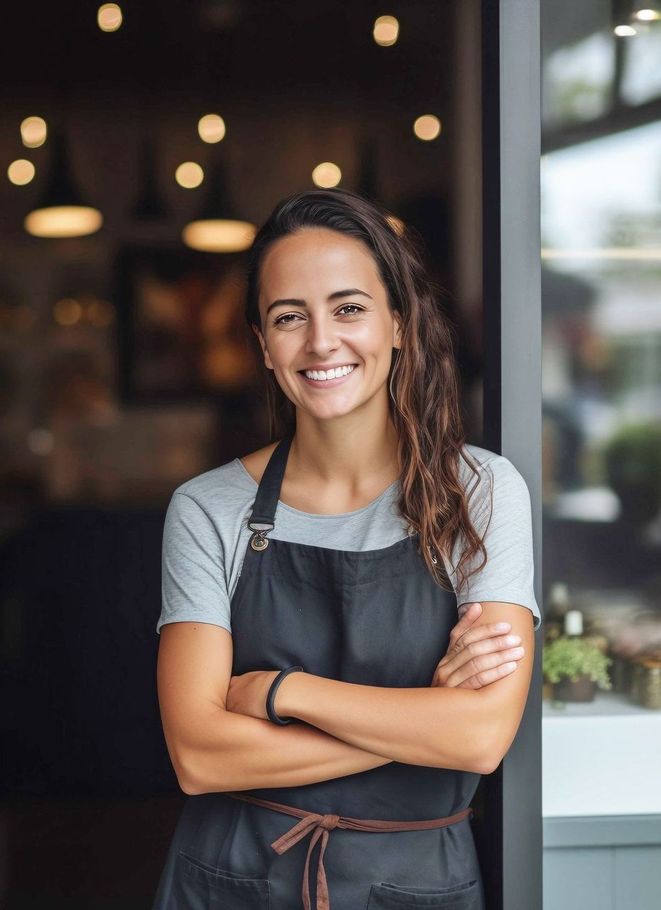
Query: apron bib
[374,617]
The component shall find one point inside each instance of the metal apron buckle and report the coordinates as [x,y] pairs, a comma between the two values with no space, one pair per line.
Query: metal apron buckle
[259,541]
[260,529]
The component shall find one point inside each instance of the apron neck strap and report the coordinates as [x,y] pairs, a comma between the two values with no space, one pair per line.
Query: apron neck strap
[262,517]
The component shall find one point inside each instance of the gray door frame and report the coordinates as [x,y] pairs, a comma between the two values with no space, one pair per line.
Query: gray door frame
[511,842]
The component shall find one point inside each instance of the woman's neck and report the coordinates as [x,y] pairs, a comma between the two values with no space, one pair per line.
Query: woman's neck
[351,453]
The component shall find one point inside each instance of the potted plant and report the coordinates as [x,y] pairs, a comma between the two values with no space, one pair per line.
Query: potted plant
[575,666]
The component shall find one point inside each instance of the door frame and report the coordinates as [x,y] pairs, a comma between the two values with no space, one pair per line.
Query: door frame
[511,843]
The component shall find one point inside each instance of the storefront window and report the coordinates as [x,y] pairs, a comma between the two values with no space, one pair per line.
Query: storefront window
[601,335]
[578,80]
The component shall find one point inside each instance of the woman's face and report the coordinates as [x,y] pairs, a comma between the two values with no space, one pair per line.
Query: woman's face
[323,306]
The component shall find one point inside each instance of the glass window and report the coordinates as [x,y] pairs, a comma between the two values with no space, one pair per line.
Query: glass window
[641,77]
[577,81]
[601,386]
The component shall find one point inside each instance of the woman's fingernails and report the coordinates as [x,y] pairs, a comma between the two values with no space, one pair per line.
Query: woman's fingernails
[502,626]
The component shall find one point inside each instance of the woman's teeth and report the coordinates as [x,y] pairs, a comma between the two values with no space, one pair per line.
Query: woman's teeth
[329,374]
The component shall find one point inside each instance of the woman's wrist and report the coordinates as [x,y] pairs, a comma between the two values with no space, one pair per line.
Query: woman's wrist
[287,696]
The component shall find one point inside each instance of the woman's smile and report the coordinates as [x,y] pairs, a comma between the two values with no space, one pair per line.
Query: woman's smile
[329,377]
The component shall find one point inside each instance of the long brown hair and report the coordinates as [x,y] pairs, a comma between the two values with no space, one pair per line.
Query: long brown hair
[424,390]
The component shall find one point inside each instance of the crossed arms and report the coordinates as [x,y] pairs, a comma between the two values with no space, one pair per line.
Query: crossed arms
[344,728]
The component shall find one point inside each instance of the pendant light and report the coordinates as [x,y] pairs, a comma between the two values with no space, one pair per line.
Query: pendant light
[149,205]
[61,211]
[218,228]
[631,16]
[367,184]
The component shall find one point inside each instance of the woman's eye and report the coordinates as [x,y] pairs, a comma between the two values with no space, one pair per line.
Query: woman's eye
[288,318]
[285,319]
[351,306]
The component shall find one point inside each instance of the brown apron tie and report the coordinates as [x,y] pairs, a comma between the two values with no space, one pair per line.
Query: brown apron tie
[321,825]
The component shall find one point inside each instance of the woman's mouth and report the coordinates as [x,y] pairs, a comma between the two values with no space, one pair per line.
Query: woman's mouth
[328,378]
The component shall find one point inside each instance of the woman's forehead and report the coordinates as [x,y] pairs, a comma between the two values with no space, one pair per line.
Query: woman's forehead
[317,257]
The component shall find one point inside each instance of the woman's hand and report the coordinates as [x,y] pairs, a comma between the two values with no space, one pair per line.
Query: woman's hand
[246,693]
[477,657]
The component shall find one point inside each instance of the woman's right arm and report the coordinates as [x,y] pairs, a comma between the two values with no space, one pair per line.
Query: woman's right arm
[212,749]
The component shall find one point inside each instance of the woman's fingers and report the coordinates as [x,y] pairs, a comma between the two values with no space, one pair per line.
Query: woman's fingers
[468,614]
[474,656]
[480,671]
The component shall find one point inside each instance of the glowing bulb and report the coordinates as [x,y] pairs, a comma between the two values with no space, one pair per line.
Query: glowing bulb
[109,17]
[189,175]
[326,175]
[67,311]
[647,15]
[40,441]
[63,221]
[218,235]
[211,128]
[33,132]
[100,313]
[20,171]
[624,31]
[427,127]
[386,31]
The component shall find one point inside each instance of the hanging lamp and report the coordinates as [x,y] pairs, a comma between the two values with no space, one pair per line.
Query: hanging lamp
[61,211]
[149,205]
[367,183]
[217,228]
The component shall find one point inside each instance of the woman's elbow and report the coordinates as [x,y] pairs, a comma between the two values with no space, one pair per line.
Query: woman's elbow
[500,743]
[187,768]
[487,765]
[182,767]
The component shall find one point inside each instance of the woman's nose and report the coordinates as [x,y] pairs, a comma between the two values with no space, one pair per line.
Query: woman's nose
[321,337]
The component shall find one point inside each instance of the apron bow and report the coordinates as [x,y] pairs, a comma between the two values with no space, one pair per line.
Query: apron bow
[321,825]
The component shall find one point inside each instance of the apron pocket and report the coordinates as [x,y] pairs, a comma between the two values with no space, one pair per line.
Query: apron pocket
[199,886]
[386,896]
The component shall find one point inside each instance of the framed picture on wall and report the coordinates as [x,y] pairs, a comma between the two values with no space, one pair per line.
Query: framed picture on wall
[182,333]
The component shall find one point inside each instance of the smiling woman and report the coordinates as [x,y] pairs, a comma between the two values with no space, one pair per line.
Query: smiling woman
[343,551]
[319,329]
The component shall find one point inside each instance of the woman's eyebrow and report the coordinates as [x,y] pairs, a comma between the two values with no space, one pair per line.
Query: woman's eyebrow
[292,301]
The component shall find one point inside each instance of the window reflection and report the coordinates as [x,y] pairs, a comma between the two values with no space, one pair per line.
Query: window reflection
[600,185]
[577,80]
[641,79]
[601,236]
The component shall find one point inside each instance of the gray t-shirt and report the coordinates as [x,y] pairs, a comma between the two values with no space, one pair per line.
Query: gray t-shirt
[206,534]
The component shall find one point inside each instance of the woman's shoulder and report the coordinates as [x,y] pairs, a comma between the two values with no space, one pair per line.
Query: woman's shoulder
[255,462]
[230,486]
[483,471]
[476,459]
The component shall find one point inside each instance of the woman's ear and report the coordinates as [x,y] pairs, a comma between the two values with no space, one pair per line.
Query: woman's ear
[267,359]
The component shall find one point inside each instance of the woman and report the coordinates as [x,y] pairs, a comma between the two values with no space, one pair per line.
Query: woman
[324,707]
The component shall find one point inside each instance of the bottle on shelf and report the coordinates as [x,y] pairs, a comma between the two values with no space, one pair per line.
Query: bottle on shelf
[560,610]
[573,624]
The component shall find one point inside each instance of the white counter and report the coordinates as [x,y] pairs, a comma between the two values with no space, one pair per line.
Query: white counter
[601,758]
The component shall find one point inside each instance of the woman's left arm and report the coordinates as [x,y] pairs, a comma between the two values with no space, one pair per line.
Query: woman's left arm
[462,729]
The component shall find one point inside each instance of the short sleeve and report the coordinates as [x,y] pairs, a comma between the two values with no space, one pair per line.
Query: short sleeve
[193,583]
[508,574]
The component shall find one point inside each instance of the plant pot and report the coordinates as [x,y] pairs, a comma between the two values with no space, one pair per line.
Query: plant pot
[580,689]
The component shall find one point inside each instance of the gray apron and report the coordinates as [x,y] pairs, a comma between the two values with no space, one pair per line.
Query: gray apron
[391,838]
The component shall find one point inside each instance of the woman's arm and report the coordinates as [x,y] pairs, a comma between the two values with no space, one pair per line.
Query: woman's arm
[213,749]
[438,727]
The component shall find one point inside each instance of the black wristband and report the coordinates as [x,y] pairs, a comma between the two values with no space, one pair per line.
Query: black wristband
[270,710]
